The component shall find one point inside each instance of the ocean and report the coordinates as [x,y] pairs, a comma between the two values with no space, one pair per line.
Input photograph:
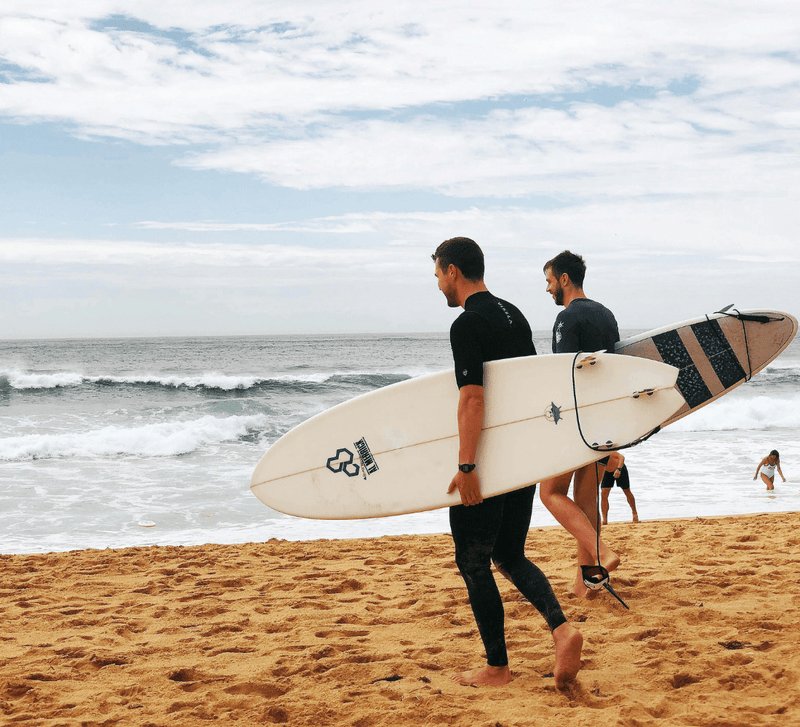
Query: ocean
[152,441]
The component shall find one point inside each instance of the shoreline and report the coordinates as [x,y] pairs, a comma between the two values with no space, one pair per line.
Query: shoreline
[533,528]
[367,631]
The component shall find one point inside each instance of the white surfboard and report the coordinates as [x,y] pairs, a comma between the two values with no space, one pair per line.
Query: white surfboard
[395,450]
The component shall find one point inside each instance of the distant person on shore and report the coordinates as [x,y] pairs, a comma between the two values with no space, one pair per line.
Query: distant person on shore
[583,325]
[619,477]
[494,529]
[768,465]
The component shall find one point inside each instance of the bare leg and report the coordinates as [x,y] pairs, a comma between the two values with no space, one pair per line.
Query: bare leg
[632,503]
[604,504]
[572,518]
[586,500]
[769,481]
[569,642]
[553,494]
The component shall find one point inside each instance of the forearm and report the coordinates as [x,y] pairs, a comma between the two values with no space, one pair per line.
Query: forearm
[470,422]
[615,462]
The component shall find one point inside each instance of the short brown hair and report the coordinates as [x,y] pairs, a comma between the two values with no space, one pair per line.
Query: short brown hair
[569,263]
[464,254]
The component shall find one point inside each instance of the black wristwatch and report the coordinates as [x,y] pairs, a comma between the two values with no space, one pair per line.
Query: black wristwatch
[466,467]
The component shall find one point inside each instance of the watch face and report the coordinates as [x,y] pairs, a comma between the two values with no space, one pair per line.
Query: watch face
[466,467]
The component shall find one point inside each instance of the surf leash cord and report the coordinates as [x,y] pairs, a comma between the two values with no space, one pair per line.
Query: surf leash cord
[742,318]
[601,447]
[596,577]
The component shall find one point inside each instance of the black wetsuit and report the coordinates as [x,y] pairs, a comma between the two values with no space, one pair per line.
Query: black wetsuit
[496,530]
[585,325]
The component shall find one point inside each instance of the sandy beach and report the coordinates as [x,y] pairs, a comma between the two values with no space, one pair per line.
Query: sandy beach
[368,632]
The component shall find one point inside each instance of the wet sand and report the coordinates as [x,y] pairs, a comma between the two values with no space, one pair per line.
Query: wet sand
[368,632]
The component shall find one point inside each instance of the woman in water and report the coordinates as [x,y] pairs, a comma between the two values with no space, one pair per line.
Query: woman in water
[768,466]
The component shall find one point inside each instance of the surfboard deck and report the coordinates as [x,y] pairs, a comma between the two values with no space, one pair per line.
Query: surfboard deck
[395,450]
[714,353]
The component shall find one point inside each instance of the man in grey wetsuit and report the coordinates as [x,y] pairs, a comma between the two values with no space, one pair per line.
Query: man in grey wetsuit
[494,529]
[583,325]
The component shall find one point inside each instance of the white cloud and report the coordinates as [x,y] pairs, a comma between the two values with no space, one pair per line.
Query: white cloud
[366,282]
[225,71]
[664,139]
[273,92]
[357,244]
[620,229]
[661,146]
[214,261]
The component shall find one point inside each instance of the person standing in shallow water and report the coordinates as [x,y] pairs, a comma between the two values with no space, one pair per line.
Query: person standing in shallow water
[768,465]
[618,476]
[494,529]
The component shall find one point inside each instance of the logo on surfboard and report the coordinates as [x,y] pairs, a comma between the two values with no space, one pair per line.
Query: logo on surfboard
[344,460]
[553,413]
[367,460]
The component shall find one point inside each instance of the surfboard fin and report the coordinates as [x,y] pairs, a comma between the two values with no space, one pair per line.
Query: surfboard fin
[746,316]
[588,359]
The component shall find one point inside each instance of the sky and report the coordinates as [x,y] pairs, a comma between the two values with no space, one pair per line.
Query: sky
[242,167]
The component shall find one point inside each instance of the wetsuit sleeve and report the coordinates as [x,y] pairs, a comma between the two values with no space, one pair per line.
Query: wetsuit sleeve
[566,335]
[467,353]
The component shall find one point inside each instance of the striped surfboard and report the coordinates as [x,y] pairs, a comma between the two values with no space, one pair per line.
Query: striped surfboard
[715,353]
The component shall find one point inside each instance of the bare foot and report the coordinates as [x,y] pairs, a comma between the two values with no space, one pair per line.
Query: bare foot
[493,676]
[569,642]
[608,558]
[635,518]
[579,589]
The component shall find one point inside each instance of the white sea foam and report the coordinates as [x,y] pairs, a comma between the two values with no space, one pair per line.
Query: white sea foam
[212,380]
[739,413]
[208,381]
[115,443]
[21,380]
[782,365]
[150,440]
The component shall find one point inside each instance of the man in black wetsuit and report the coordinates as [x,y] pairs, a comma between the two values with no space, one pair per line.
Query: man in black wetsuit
[494,529]
[583,325]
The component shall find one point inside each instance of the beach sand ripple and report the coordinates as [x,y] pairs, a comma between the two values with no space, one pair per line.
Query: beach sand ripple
[368,632]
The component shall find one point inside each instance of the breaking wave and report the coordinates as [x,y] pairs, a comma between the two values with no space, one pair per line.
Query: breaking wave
[164,439]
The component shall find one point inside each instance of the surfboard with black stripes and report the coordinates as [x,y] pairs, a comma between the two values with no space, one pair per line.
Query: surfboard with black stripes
[714,353]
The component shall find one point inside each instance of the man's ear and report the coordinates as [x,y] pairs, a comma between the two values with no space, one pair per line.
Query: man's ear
[564,280]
